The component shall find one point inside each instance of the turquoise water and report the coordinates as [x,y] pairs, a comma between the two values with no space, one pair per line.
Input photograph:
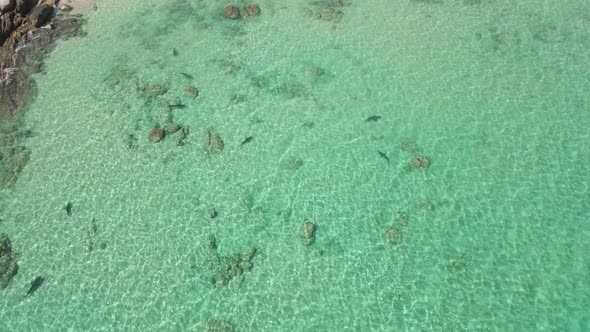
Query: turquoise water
[494,233]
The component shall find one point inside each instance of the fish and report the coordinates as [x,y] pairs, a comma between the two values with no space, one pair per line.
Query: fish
[35,285]
[384,156]
[187,76]
[247,140]
[373,118]
[68,208]
[177,106]
[175,52]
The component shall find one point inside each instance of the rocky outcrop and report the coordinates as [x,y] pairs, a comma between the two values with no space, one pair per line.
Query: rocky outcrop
[226,269]
[22,49]
[6,26]
[156,135]
[23,7]
[22,15]
[40,15]
[212,142]
[7,5]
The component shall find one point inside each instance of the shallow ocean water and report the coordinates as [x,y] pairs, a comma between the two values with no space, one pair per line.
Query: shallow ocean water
[491,236]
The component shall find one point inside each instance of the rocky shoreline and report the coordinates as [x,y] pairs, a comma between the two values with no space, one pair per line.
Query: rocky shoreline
[29,30]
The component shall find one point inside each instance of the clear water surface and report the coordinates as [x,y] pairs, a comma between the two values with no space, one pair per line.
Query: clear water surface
[492,236]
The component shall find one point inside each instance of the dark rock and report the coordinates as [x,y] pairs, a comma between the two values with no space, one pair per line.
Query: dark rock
[250,253]
[232,12]
[224,269]
[6,26]
[394,235]
[420,162]
[14,161]
[328,14]
[213,142]
[182,135]
[41,15]
[5,245]
[191,91]
[156,135]
[69,27]
[24,6]
[212,242]
[171,128]
[213,213]
[252,10]
[8,264]
[308,230]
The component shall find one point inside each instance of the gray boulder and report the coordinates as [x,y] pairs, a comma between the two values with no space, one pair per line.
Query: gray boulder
[41,15]
[7,5]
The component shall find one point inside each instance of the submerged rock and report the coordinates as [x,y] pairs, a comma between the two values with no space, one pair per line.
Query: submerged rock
[224,269]
[293,164]
[191,91]
[182,135]
[394,235]
[219,325]
[420,162]
[172,128]
[212,142]
[8,264]
[41,15]
[327,13]
[156,135]
[252,10]
[13,161]
[232,12]
[24,6]
[402,218]
[308,230]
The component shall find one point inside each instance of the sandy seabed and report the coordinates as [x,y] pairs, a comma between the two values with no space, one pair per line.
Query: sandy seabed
[81,6]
